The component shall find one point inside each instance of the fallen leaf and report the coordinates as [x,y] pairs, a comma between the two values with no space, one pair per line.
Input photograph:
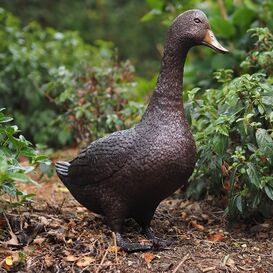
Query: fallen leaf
[70,241]
[196,225]
[224,170]
[113,249]
[38,241]
[71,224]
[226,185]
[148,257]
[184,215]
[71,258]
[66,253]
[48,261]
[85,261]
[216,237]
[205,216]
[259,270]
[207,269]
[44,221]
[3,223]
[62,189]
[13,240]
[230,263]
[81,209]
[193,208]
[9,260]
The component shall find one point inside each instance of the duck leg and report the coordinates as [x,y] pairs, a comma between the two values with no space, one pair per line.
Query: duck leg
[115,222]
[157,242]
[130,247]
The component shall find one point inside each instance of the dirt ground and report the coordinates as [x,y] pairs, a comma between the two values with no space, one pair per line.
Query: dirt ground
[56,234]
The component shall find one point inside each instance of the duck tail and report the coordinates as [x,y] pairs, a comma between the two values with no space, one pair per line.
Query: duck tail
[62,168]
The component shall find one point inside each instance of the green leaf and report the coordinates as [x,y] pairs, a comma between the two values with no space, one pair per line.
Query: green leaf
[253,175]
[267,100]
[4,119]
[243,17]
[220,143]
[10,189]
[239,203]
[261,109]
[41,158]
[79,114]
[269,191]
[222,27]
[256,200]
[265,142]
[3,164]
[11,130]
[28,152]
[155,4]
[150,15]
[250,4]
[19,177]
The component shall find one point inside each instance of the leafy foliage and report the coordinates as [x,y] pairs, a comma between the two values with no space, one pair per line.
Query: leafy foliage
[116,21]
[42,67]
[60,88]
[96,101]
[233,129]
[229,20]
[12,148]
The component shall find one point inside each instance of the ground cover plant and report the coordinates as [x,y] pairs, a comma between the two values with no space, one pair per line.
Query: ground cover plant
[233,130]
[232,119]
[13,148]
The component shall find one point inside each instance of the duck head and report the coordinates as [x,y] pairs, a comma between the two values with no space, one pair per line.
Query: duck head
[192,28]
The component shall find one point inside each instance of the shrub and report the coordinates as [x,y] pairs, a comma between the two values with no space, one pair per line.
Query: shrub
[12,148]
[96,100]
[44,75]
[28,56]
[229,20]
[233,129]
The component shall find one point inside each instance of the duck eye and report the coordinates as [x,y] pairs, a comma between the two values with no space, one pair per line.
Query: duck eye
[197,20]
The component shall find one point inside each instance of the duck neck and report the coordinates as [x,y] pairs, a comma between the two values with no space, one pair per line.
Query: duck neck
[167,96]
[170,80]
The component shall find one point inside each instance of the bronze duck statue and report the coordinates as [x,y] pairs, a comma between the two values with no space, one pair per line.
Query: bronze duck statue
[128,173]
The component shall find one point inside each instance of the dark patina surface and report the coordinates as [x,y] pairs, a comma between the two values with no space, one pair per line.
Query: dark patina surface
[128,173]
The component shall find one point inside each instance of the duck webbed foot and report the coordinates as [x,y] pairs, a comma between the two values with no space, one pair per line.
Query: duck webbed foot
[158,243]
[131,247]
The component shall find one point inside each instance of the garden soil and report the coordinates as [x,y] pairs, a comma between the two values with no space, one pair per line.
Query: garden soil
[56,234]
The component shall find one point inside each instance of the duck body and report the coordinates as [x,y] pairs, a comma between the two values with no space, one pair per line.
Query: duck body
[128,173]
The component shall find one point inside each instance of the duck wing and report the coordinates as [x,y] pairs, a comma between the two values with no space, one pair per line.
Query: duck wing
[102,158]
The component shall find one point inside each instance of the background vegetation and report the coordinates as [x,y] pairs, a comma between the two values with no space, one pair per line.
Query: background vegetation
[65,77]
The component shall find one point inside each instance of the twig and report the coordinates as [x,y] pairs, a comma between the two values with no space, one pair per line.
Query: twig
[207,269]
[246,269]
[115,245]
[12,234]
[180,264]
[102,260]
[7,220]
[82,269]
[42,266]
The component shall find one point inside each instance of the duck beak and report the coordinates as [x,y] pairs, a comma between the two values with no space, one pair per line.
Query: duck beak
[210,41]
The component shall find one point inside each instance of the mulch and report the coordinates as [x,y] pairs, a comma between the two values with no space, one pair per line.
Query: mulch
[56,234]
